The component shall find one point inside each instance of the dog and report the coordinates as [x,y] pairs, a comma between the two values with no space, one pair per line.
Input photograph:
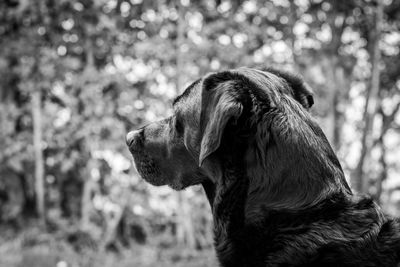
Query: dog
[278,193]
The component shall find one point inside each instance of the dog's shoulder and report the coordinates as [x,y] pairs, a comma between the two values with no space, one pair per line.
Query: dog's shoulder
[338,231]
[360,235]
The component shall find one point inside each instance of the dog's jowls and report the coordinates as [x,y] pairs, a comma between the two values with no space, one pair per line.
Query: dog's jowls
[278,193]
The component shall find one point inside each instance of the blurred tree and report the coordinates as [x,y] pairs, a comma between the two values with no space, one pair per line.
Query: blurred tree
[184,232]
[388,104]
[37,143]
[361,182]
[95,69]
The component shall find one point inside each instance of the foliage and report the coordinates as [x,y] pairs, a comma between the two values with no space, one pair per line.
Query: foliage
[105,67]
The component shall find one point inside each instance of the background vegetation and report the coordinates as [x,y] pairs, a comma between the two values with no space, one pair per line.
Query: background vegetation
[76,75]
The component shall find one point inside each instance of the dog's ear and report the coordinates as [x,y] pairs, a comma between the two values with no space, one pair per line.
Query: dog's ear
[219,106]
[301,90]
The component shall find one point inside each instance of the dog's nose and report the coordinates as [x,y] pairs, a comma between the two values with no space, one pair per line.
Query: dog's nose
[132,136]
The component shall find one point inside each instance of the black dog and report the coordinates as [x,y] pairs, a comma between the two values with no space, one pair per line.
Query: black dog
[278,193]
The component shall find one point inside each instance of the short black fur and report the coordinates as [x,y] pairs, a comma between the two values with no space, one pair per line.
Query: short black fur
[336,229]
[278,193]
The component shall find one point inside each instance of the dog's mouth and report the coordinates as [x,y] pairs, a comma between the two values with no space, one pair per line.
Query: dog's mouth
[147,168]
[144,163]
[155,166]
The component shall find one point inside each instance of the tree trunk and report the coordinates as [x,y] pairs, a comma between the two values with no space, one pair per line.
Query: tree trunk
[361,183]
[336,121]
[185,230]
[384,171]
[331,69]
[39,163]
[387,121]
[112,222]
[86,203]
[184,233]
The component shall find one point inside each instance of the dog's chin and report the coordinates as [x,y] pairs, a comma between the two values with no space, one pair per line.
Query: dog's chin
[160,181]
[147,169]
[156,181]
[152,178]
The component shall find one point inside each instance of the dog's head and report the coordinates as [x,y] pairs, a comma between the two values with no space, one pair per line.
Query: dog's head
[166,152]
[221,111]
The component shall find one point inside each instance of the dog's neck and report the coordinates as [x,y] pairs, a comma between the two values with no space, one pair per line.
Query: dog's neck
[245,193]
[289,164]
[285,171]
[227,195]
[245,196]
[293,168]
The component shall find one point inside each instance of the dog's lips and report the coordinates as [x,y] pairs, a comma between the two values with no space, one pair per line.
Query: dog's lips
[147,168]
[145,164]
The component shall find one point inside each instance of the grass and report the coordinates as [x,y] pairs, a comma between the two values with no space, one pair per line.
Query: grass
[34,248]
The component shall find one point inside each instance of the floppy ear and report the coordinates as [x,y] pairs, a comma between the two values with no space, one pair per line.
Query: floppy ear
[302,92]
[219,106]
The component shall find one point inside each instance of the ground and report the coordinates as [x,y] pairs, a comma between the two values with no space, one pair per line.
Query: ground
[34,248]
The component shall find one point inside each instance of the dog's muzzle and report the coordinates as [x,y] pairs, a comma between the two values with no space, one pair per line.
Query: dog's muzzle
[134,139]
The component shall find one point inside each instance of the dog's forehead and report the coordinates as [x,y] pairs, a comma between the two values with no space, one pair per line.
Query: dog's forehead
[188,98]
